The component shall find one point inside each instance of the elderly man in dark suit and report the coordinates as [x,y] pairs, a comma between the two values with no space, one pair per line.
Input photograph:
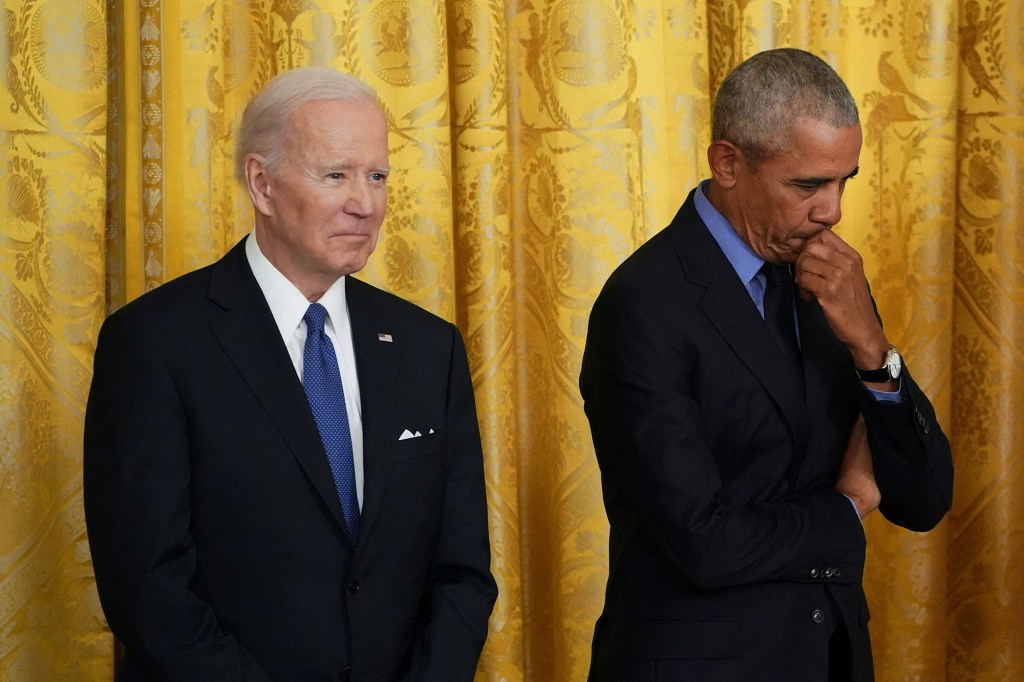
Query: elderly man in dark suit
[283,472]
[732,418]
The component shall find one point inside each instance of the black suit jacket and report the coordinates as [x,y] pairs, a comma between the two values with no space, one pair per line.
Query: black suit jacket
[216,532]
[732,556]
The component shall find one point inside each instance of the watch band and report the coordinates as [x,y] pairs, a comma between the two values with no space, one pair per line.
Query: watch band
[891,369]
[874,375]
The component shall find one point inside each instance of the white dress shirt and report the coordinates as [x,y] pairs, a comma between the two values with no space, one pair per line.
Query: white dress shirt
[288,306]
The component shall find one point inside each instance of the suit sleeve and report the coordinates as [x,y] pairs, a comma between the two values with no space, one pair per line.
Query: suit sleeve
[911,456]
[461,590]
[137,504]
[912,460]
[641,382]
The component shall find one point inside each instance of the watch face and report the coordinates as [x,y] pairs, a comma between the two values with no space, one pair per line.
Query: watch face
[894,363]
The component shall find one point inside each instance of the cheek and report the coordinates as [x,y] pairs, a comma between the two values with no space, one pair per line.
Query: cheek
[375,235]
[303,206]
[786,224]
[794,216]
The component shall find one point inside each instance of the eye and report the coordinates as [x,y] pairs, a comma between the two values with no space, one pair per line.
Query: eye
[336,175]
[378,177]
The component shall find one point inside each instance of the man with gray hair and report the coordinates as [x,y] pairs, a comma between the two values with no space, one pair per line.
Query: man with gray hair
[283,472]
[747,409]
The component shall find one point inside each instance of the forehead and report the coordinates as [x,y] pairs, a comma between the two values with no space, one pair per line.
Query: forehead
[821,146]
[326,123]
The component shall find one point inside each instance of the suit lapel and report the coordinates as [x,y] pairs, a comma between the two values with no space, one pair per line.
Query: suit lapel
[378,364]
[727,305]
[250,338]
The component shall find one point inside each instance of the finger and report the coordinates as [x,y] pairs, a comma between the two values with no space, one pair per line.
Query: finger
[831,264]
[831,239]
[830,251]
[815,273]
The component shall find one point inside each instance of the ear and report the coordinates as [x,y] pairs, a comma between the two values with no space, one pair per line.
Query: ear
[724,158]
[257,182]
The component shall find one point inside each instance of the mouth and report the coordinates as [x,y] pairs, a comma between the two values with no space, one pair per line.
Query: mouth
[802,239]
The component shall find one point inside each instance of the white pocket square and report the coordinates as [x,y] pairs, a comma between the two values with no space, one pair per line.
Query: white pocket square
[406,435]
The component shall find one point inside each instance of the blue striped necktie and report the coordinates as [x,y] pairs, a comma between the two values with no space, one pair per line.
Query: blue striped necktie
[322,382]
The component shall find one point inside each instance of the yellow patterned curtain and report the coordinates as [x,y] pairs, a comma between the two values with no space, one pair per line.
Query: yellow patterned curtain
[535,145]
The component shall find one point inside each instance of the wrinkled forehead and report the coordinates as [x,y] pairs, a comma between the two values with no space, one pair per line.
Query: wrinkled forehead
[322,114]
[816,137]
[321,124]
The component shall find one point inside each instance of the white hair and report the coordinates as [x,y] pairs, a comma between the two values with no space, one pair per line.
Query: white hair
[266,118]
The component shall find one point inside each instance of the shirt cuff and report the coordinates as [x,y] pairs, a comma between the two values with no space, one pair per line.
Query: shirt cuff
[889,396]
[854,507]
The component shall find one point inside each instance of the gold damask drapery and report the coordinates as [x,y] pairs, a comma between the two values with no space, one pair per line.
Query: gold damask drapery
[535,144]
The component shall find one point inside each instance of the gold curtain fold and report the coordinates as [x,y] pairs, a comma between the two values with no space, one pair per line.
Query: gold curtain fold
[52,188]
[534,146]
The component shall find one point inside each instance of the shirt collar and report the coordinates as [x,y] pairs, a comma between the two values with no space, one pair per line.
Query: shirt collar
[744,261]
[287,304]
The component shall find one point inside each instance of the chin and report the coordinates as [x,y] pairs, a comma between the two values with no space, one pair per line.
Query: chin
[787,257]
[352,265]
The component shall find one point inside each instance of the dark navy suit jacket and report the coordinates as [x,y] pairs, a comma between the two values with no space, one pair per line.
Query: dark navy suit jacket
[216,532]
[732,556]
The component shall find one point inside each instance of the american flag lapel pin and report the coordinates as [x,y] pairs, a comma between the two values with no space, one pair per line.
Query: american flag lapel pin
[381,336]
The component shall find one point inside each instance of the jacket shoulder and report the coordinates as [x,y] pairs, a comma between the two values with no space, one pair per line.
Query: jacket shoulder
[386,306]
[186,301]
[660,258]
[173,298]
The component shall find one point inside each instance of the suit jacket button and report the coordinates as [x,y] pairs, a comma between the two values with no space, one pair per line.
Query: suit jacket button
[346,673]
[353,586]
[814,573]
[829,572]
[817,615]
[835,572]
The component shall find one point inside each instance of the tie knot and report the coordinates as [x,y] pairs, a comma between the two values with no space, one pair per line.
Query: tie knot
[774,274]
[314,317]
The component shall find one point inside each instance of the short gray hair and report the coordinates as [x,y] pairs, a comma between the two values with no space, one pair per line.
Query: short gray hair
[763,97]
[266,118]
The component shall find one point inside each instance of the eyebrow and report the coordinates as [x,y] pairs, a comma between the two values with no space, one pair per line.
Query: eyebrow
[822,180]
[347,166]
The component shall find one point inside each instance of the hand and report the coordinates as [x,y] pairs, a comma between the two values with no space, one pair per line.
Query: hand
[829,270]
[856,477]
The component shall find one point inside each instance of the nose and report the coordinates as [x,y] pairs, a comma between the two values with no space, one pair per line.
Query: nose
[827,210]
[360,199]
